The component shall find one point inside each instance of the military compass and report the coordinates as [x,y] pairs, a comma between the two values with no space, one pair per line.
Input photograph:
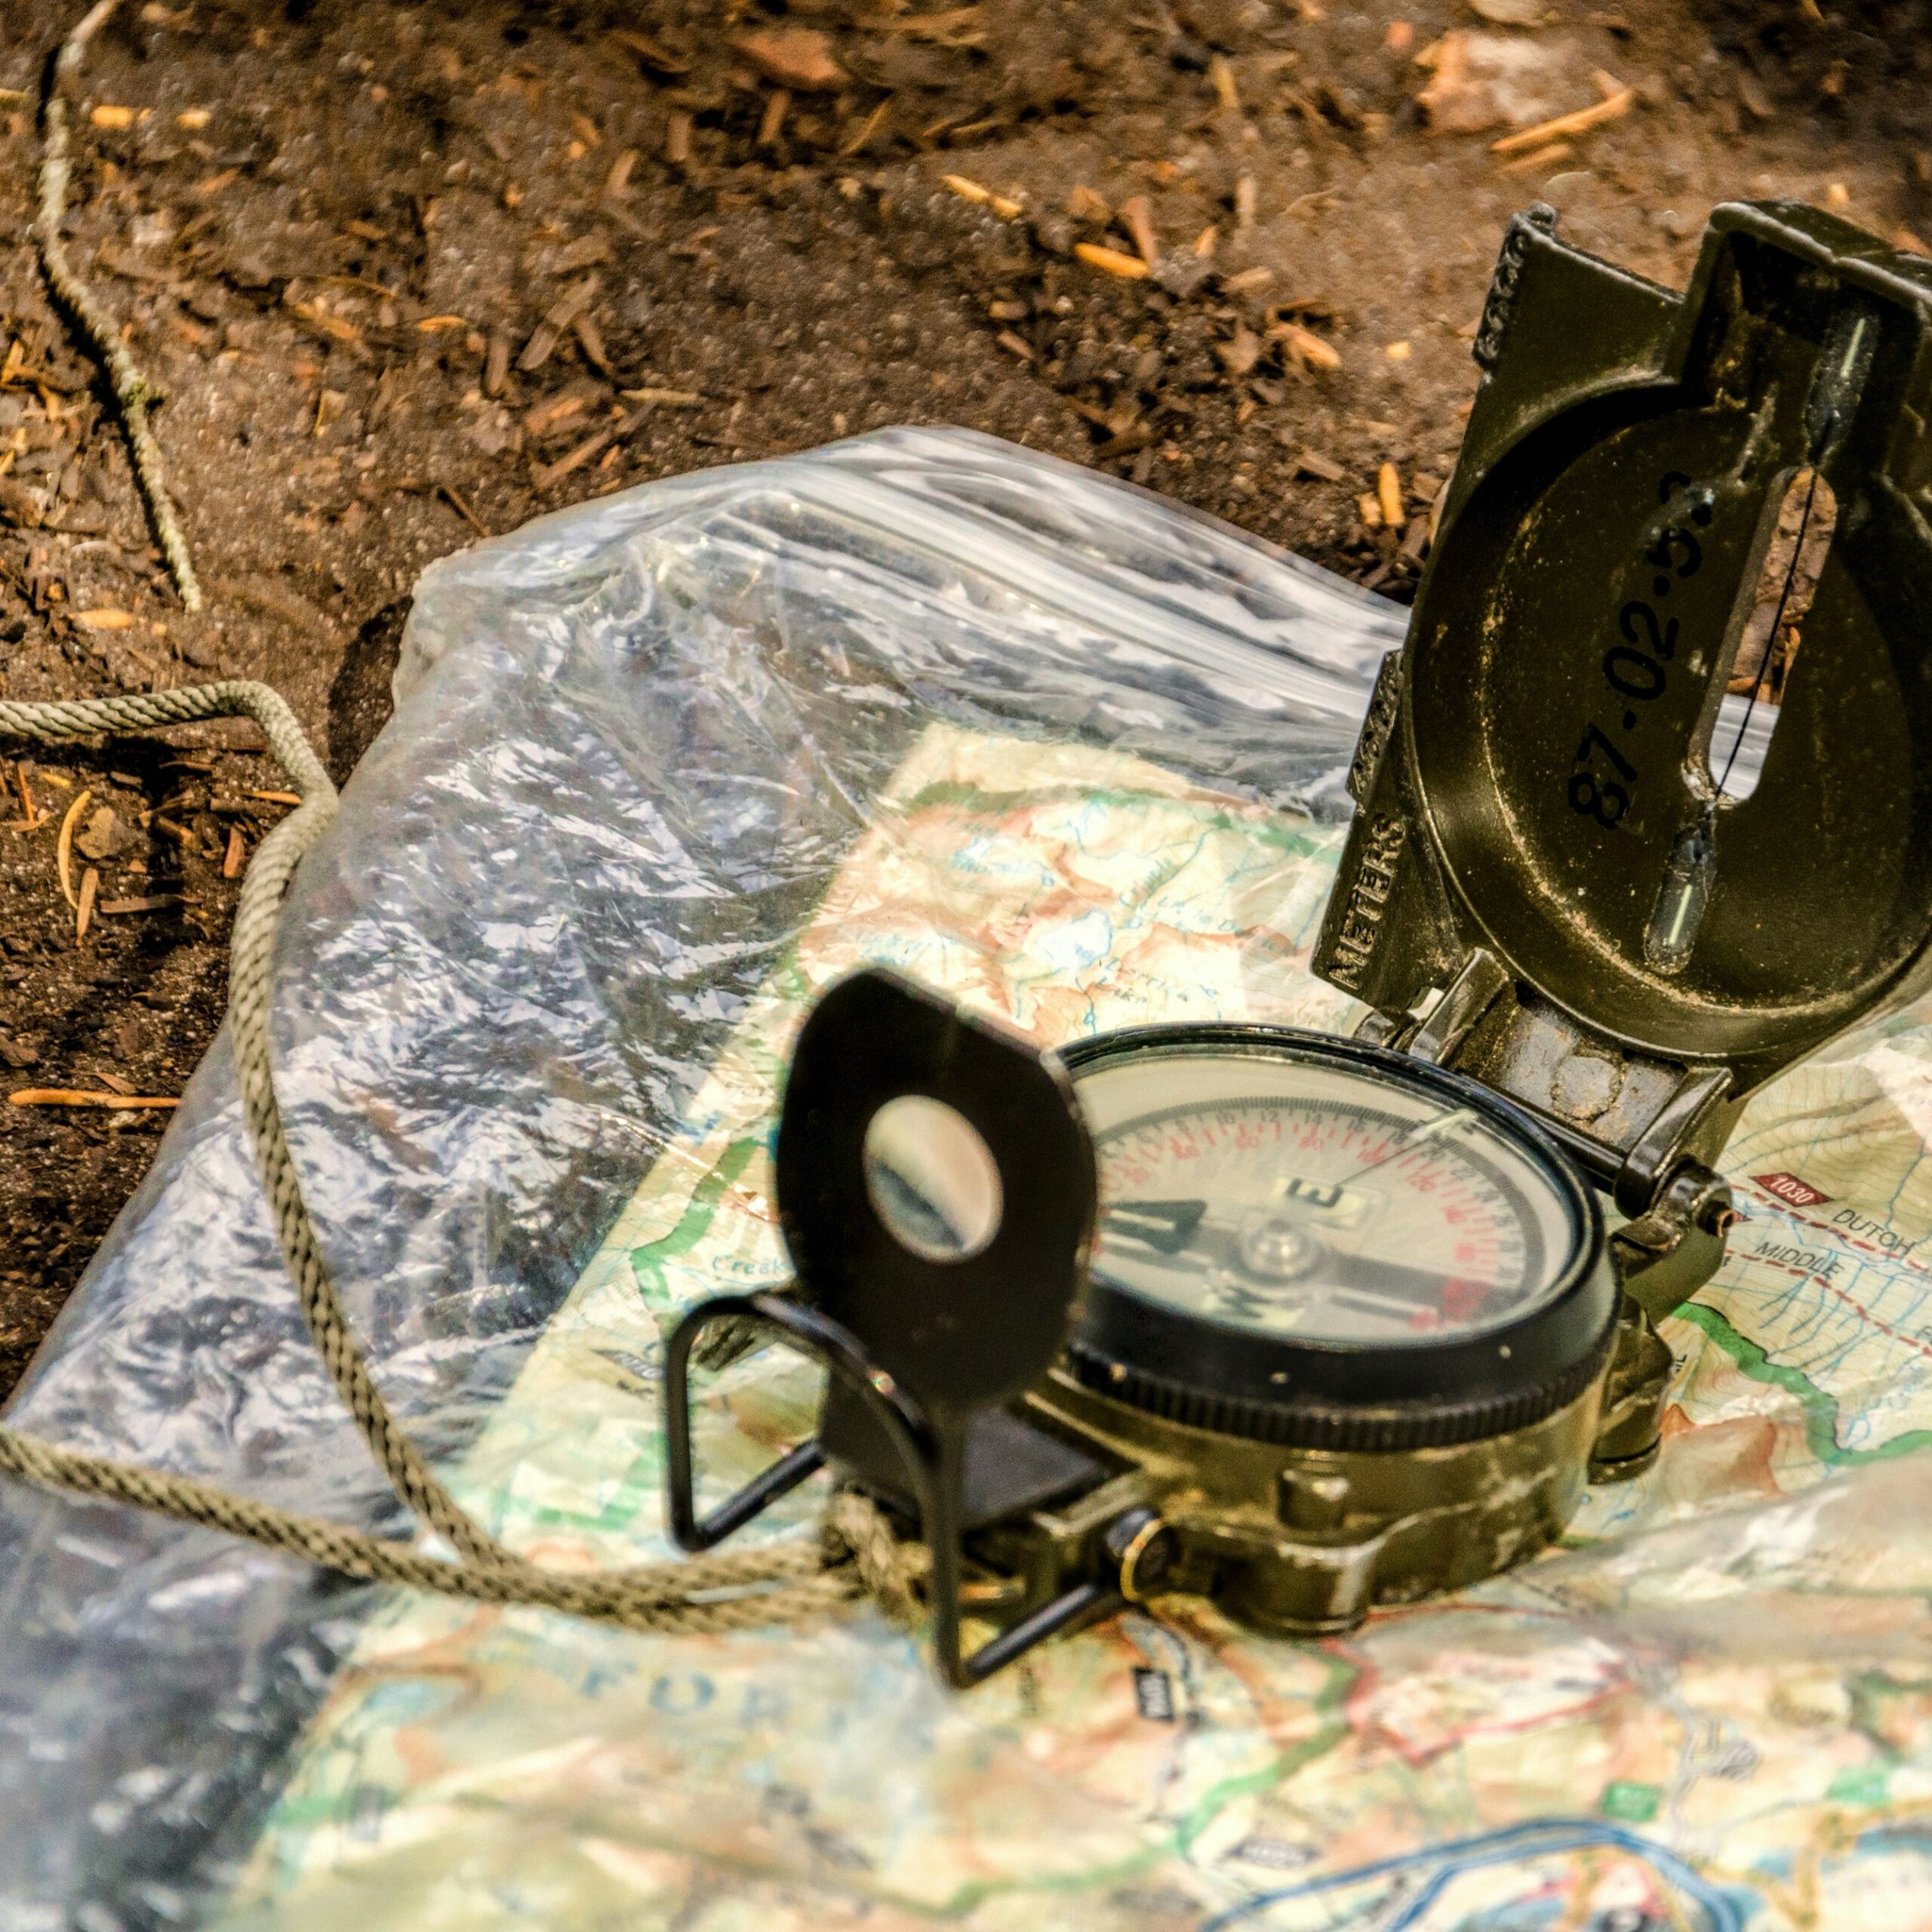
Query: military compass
[1308,1324]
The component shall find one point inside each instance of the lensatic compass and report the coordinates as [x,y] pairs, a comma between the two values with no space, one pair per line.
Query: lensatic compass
[1308,1324]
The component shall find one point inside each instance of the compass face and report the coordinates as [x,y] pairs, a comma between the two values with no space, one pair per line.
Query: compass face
[1307,1200]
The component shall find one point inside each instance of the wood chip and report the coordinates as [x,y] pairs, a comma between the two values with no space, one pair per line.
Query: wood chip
[677,138]
[1137,219]
[1015,345]
[544,415]
[1369,508]
[1312,462]
[1538,158]
[450,495]
[541,346]
[585,252]
[237,850]
[107,115]
[440,324]
[798,57]
[1226,93]
[1239,356]
[948,25]
[1388,494]
[118,908]
[497,364]
[654,54]
[617,182]
[78,1096]
[1111,261]
[1005,206]
[63,849]
[590,339]
[1564,125]
[105,617]
[771,122]
[276,797]
[334,328]
[867,128]
[210,186]
[1084,205]
[1138,437]
[83,911]
[1305,346]
[664,399]
[546,476]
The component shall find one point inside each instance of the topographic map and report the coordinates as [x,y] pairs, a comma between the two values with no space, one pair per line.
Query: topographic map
[1711,1709]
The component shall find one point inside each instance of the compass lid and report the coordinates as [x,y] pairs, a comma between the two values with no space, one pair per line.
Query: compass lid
[1647,797]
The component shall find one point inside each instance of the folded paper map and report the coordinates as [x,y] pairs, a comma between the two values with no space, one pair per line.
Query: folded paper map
[1712,1708]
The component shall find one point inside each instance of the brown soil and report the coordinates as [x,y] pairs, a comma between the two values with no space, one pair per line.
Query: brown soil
[334,231]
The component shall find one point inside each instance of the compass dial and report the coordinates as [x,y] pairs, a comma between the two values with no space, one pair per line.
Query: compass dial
[1288,1196]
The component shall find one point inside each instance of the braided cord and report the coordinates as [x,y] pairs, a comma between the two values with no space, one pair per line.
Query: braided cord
[132,390]
[855,1553]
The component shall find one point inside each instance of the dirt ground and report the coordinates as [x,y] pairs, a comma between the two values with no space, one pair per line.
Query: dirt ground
[407,274]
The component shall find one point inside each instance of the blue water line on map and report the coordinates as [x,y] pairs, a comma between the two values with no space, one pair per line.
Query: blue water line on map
[1720,1908]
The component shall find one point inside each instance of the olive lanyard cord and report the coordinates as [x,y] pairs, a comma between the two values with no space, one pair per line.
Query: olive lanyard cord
[856,1552]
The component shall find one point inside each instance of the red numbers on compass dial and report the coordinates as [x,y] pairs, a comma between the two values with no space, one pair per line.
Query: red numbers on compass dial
[1601,778]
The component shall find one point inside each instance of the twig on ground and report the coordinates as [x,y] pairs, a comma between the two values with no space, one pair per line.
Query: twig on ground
[132,390]
[79,1096]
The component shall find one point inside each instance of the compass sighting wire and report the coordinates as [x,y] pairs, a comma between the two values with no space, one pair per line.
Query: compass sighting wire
[1771,638]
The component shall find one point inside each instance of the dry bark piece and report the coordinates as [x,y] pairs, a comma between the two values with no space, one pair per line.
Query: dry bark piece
[796,57]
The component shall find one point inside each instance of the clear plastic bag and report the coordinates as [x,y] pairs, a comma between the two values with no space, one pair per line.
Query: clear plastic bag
[660,764]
